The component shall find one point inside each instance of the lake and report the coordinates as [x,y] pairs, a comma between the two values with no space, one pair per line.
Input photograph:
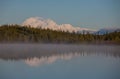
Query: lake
[59,61]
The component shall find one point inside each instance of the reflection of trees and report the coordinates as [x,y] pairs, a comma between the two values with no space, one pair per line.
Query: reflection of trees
[16,52]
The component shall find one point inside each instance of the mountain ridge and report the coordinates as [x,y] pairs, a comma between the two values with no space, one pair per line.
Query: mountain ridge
[39,22]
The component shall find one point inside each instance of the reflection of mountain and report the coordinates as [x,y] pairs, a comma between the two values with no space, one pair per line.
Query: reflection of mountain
[50,59]
[36,61]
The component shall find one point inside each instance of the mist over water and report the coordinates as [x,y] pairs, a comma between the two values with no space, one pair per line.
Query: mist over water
[20,51]
[59,61]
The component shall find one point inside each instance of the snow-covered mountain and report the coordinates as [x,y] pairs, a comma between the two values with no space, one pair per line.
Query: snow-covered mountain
[39,22]
[107,30]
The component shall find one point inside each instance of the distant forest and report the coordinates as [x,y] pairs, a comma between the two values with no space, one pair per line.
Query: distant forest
[24,34]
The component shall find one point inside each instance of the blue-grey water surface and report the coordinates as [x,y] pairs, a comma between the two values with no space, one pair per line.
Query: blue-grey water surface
[59,61]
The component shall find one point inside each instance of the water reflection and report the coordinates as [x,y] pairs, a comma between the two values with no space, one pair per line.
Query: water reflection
[52,52]
[36,61]
[49,59]
[64,61]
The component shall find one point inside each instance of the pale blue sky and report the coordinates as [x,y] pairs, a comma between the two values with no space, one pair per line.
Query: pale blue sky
[93,14]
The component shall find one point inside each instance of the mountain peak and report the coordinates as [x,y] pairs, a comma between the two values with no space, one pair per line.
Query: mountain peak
[39,22]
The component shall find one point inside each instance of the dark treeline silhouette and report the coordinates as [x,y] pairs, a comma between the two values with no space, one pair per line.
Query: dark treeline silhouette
[18,33]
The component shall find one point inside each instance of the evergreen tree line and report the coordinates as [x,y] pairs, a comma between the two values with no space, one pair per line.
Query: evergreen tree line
[17,33]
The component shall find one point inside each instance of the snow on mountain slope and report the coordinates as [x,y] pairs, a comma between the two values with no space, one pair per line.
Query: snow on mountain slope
[39,22]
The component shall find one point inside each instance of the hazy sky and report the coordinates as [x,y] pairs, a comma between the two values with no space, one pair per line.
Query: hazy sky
[94,14]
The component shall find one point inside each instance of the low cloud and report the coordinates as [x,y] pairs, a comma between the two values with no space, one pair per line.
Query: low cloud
[39,22]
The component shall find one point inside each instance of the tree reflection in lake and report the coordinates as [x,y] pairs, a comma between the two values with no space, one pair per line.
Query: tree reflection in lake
[36,61]
[27,51]
[53,61]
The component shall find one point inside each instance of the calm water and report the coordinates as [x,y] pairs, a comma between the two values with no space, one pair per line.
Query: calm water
[47,61]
